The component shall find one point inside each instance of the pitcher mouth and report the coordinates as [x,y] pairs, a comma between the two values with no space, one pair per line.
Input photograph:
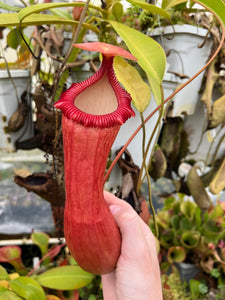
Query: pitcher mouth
[99,101]
[116,114]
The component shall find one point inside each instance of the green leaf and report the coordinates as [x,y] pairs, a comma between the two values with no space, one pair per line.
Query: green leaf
[3,274]
[65,278]
[41,239]
[8,295]
[117,10]
[166,4]
[9,7]
[61,13]
[14,38]
[215,273]
[217,7]
[27,288]
[12,19]
[151,56]
[194,288]
[151,8]
[34,9]
[129,77]
[203,289]
[156,89]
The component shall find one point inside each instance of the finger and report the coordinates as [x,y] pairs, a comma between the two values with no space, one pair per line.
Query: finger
[132,235]
[112,199]
[109,286]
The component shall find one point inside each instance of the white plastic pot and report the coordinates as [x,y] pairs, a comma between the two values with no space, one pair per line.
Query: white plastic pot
[203,144]
[184,56]
[170,83]
[10,89]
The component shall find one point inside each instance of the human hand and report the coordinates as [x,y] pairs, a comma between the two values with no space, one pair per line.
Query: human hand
[137,274]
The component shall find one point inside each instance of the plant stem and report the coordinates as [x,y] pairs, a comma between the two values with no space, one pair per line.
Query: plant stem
[148,177]
[78,29]
[148,146]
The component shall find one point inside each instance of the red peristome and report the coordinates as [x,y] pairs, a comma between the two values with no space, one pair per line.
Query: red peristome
[106,49]
[117,117]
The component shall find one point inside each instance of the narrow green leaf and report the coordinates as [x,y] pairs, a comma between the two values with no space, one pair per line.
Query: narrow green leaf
[12,19]
[166,4]
[27,288]
[129,77]
[9,7]
[65,278]
[151,8]
[34,9]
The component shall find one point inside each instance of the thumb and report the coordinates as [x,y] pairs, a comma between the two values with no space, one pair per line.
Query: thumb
[130,228]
